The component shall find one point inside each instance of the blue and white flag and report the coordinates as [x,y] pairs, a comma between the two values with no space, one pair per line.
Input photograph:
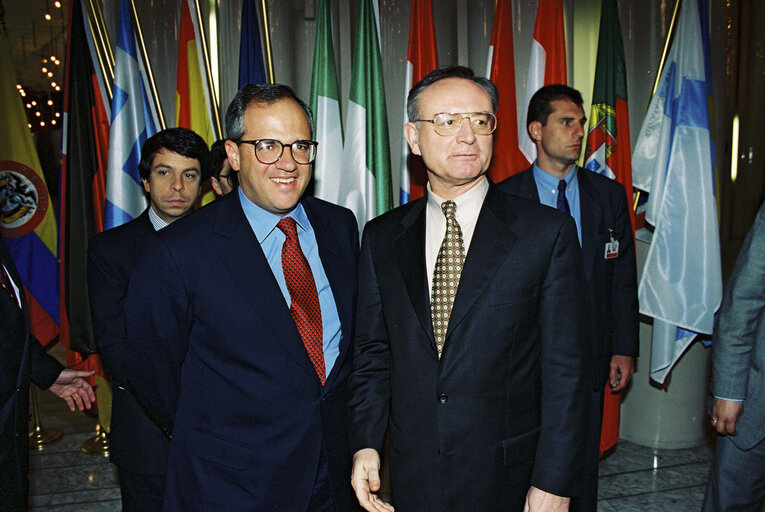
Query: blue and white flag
[681,285]
[133,121]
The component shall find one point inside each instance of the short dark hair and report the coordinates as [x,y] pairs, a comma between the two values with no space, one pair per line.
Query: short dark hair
[413,100]
[539,105]
[214,164]
[265,94]
[178,140]
[215,159]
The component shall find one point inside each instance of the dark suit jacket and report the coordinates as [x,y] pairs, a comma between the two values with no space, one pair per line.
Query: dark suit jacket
[135,443]
[612,282]
[504,407]
[220,362]
[21,358]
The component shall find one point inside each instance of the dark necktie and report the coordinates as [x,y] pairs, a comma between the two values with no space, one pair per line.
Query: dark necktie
[304,307]
[5,281]
[446,275]
[562,201]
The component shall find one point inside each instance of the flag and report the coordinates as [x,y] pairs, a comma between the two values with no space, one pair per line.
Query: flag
[132,122]
[608,150]
[27,218]
[82,186]
[547,63]
[81,201]
[508,158]
[367,180]
[420,60]
[251,67]
[325,103]
[193,109]
[681,286]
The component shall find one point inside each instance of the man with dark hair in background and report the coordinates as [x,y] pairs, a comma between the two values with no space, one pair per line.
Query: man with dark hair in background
[242,316]
[556,125]
[171,171]
[222,177]
[470,338]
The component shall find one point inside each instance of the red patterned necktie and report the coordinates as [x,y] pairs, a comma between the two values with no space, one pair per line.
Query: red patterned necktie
[5,281]
[304,307]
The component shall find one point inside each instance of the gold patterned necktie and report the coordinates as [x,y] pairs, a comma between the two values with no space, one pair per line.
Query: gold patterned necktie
[446,275]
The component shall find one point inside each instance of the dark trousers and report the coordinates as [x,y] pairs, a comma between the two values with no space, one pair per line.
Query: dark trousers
[737,479]
[321,495]
[587,501]
[141,493]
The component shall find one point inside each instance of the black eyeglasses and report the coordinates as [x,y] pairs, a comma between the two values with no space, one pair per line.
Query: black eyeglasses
[230,177]
[445,123]
[268,151]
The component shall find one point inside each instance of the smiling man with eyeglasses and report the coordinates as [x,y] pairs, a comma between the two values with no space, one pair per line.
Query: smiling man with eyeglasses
[249,334]
[469,341]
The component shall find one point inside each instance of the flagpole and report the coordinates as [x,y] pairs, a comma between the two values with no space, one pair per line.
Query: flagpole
[664,53]
[147,64]
[210,84]
[103,49]
[267,37]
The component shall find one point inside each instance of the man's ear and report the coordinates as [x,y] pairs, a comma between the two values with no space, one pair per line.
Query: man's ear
[216,186]
[411,132]
[146,185]
[232,152]
[535,131]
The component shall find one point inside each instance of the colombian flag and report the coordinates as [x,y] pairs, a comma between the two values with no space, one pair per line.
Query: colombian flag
[27,219]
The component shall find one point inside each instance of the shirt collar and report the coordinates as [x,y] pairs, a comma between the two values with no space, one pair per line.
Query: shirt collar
[156,221]
[469,201]
[264,222]
[549,181]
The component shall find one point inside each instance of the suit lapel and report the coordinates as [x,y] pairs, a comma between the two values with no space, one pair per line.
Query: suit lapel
[489,248]
[251,273]
[528,186]
[409,248]
[591,214]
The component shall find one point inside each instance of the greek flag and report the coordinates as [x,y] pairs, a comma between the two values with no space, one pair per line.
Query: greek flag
[133,121]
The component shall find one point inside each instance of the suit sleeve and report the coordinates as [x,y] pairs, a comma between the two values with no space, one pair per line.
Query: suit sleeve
[45,368]
[563,314]
[369,383]
[107,289]
[157,315]
[743,307]
[624,304]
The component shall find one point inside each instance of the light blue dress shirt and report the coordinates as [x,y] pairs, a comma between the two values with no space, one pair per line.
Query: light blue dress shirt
[271,239]
[547,186]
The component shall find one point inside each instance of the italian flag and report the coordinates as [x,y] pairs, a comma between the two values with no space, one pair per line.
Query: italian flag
[325,103]
[367,177]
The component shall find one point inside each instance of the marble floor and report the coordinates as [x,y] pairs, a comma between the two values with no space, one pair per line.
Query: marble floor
[633,478]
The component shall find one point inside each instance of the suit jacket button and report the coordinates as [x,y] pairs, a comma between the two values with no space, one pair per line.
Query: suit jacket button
[443,398]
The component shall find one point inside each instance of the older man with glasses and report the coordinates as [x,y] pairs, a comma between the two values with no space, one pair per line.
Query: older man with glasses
[470,329]
[243,317]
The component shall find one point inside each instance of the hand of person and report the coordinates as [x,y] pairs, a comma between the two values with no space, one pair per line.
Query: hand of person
[365,480]
[725,414]
[74,389]
[622,368]
[538,500]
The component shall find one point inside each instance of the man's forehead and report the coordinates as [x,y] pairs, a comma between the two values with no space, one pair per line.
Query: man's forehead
[452,93]
[168,154]
[263,117]
[566,107]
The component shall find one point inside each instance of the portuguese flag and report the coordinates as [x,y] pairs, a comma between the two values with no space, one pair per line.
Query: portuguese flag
[608,149]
